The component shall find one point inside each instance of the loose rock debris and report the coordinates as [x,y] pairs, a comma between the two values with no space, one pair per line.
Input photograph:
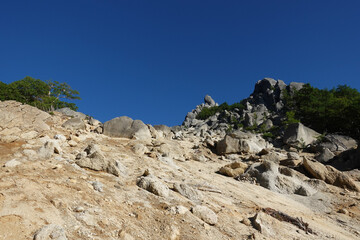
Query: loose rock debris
[286,218]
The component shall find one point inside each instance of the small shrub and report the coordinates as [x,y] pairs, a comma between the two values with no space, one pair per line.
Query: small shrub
[268,135]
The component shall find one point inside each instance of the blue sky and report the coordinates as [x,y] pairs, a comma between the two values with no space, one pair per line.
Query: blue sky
[156,60]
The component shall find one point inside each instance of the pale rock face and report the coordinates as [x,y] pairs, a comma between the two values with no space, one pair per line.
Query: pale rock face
[71,113]
[74,124]
[299,135]
[242,142]
[51,231]
[12,163]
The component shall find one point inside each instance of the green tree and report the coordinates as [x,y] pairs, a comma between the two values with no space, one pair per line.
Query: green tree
[59,91]
[46,96]
[335,110]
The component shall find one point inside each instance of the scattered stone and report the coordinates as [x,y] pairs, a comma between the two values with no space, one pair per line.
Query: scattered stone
[153,185]
[60,137]
[98,186]
[188,192]
[12,163]
[343,211]
[293,156]
[234,169]
[49,148]
[51,231]
[246,222]
[79,209]
[178,210]
[94,159]
[205,214]
[72,143]
[139,149]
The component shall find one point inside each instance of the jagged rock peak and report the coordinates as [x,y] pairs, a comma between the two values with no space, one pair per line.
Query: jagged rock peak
[208,100]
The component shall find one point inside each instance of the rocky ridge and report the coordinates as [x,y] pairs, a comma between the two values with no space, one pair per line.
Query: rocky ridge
[68,176]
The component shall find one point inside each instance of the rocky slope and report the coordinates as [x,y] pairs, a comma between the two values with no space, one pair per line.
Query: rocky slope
[65,176]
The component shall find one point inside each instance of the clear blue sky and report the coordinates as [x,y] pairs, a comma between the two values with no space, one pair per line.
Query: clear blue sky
[155,60]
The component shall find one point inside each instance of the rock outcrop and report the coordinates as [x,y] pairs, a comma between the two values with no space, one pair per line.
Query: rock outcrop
[127,128]
[239,141]
[329,174]
[298,135]
[21,121]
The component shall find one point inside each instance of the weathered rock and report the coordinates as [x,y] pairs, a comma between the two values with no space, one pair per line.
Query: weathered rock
[72,143]
[178,210]
[268,176]
[29,135]
[241,142]
[291,162]
[329,174]
[19,120]
[188,192]
[60,137]
[205,214]
[295,86]
[94,159]
[274,157]
[153,185]
[325,156]
[337,143]
[74,124]
[71,113]
[347,160]
[164,130]
[233,169]
[12,163]
[127,128]
[98,186]
[51,231]
[208,100]
[49,148]
[99,130]
[153,132]
[139,149]
[293,155]
[94,122]
[298,135]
